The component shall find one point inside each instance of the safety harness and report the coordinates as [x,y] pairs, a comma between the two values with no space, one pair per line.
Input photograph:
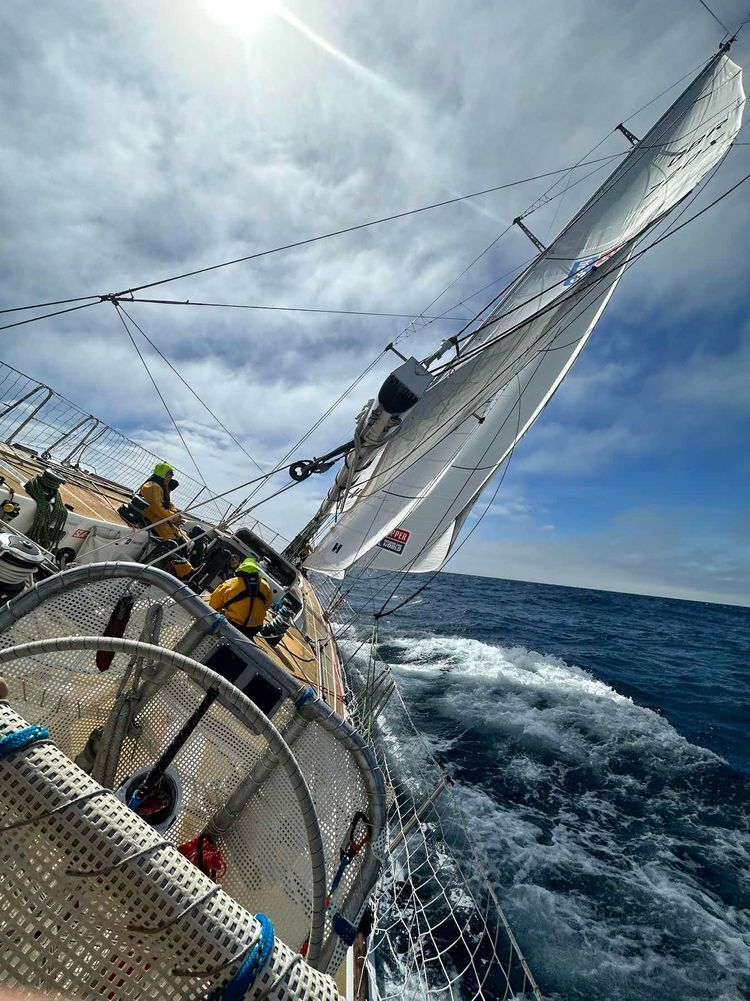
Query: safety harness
[251,590]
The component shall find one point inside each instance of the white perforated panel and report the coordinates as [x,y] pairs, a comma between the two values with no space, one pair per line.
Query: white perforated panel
[143,924]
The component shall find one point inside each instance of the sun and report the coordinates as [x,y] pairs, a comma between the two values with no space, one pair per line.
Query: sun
[242,15]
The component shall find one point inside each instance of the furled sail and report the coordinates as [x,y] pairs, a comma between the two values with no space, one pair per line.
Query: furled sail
[466,424]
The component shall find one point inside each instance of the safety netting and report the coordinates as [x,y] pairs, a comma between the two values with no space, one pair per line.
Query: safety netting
[90,453]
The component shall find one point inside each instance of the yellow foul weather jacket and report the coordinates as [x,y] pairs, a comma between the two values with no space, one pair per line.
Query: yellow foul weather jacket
[159,506]
[247,612]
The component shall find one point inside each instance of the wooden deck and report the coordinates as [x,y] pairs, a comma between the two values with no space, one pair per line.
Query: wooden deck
[86,493]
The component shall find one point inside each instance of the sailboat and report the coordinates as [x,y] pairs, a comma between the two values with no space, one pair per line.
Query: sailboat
[189,812]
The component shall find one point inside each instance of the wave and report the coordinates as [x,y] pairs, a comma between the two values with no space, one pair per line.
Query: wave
[621,849]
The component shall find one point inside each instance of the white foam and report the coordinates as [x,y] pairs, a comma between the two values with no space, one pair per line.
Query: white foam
[537,698]
[591,817]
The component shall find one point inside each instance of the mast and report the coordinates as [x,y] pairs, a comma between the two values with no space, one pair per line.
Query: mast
[419,470]
[376,422]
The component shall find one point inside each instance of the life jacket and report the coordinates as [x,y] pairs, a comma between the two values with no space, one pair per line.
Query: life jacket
[251,590]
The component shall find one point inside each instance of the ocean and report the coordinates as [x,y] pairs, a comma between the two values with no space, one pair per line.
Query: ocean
[600,748]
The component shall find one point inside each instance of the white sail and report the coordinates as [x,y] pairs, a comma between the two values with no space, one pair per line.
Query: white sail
[433,527]
[554,303]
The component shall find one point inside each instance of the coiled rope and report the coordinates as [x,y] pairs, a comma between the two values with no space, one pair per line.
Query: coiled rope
[48,526]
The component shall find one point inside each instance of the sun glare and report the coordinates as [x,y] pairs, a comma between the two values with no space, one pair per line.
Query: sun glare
[242,15]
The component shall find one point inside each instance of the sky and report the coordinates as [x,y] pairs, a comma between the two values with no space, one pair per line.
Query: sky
[145,139]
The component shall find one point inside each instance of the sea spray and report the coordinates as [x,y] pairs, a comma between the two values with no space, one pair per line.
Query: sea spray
[619,848]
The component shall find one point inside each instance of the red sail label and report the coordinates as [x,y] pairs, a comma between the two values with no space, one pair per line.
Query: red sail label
[396,541]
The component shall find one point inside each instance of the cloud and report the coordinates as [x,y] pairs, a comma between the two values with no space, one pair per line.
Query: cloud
[142,141]
[711,380]
[645,551]
[562,450]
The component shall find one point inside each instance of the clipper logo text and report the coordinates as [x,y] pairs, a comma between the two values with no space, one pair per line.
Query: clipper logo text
[396,541]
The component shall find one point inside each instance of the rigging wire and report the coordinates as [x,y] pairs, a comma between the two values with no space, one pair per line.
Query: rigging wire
[54,302]
[211,499]
[506,461]
[599,277]
[670,232]
[321,420]
[590,205]
[286,309]
[487,249]
[191,390]
[471,353]
[159,393]
[347,229]
[44,316]
[545,198]
[350,388]
[400,572]
[570,298]
[360,226]
[94,299]
[714,16]
[407,332]
[604,161]
[557,302]
[264,477]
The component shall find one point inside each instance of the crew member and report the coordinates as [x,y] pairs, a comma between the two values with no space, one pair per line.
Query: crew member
[244,598]
[156,490]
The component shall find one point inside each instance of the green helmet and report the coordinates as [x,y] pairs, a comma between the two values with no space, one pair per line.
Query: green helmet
[162,468]
[248,566]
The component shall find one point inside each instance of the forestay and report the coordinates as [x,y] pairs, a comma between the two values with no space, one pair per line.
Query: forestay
[408,513]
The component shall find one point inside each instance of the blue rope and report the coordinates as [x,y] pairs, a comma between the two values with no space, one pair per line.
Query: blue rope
[136,798]
[216,623]
[304,697]
[22,738]
[251,969]
[339,873]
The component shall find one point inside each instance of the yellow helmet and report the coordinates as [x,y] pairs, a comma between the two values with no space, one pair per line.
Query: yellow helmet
[249,565]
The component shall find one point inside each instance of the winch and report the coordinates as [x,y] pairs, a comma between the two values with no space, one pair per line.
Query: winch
[20,558]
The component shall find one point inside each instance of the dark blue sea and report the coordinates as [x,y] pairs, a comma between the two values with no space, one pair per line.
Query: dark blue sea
[600,746]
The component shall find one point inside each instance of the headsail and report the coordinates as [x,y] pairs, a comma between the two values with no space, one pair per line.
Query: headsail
[452,441]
